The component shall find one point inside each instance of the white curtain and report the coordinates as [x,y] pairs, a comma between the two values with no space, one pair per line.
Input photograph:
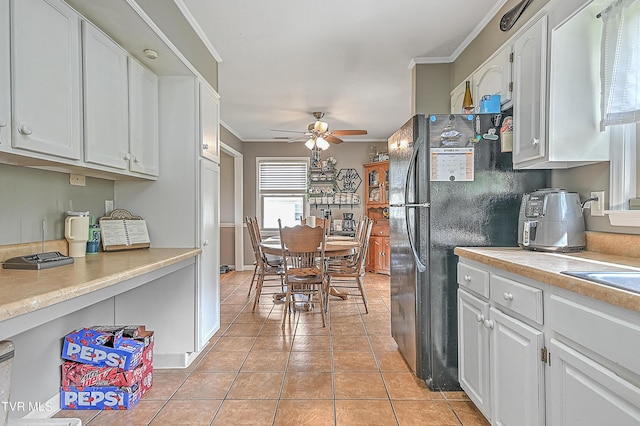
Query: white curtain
[620,68]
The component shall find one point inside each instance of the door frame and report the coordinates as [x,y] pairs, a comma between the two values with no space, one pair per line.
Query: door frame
[238,222]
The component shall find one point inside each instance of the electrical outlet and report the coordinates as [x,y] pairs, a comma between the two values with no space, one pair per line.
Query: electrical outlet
[597,206]
[77,180]
[108,206]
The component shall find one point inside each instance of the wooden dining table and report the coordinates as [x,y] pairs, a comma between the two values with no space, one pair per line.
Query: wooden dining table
[335,246]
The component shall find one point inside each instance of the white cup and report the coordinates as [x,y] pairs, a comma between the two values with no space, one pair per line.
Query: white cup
[76,231]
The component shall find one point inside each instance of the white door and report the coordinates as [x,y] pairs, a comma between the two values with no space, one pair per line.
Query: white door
[209,278]
[517,373]
[209,123]
[584,392]
[143,120]
[473,350]
[106,114]
[46,77]
[5,82]
[493,78]
[530,83]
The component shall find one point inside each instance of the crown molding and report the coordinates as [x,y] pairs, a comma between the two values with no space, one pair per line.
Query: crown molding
[198,29]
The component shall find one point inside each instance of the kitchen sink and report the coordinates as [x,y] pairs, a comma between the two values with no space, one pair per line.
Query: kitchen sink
[626,280]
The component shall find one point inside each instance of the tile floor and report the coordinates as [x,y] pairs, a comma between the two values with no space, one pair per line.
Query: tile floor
[254,373]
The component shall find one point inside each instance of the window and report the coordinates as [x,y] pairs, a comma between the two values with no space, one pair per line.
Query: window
[282,188]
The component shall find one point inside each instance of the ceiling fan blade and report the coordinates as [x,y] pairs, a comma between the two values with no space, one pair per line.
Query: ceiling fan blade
[289,131]
[349,132]
[298,139]
[332,139]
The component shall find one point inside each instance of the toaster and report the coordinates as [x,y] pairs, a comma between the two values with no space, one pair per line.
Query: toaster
[551,219]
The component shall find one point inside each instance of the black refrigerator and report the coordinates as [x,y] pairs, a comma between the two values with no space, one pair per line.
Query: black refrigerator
[450,184]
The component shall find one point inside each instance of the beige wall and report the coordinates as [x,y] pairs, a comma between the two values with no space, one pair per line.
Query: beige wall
[30,195]
[229,139]
[348,155]
[431,81]
[168,17]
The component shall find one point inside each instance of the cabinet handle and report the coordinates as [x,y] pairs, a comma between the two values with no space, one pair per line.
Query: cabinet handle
[467,278]
[205,146]
[488,324]
[480,318]
[535,141]
[127,156]
[25,129]
[205,243]
[3,122]
[135,159]
[507,296]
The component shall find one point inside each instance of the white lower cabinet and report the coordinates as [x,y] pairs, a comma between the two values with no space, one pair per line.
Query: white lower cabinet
[576,365]
[585,392]
[499,364]
[473,350]
[517,373]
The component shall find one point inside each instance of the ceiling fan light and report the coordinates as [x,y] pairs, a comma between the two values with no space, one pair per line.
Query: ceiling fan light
[310,143]
[321,126]
[322,144]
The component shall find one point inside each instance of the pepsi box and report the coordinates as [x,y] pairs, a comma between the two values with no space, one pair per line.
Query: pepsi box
[102,348]
[99,397]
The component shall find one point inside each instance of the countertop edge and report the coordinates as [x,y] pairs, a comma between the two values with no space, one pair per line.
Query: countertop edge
[506,259]
[48,298]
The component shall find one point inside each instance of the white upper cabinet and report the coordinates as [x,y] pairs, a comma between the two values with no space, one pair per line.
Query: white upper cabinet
[143,120]
[46,78]
[106,120]
[457,96]
[493,78]
[5,82]
[209,122]
[529,79]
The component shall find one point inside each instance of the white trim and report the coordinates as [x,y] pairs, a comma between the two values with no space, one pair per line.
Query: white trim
[258,212]
[467,41]
[233,132]
[227,225]
[198,29]
[238,185]
[623,217]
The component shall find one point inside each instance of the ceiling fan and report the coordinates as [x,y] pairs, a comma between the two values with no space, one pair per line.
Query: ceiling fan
[318,134]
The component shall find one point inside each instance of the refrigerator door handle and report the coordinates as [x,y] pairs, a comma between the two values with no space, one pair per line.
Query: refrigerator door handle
[411,205]
[414,158]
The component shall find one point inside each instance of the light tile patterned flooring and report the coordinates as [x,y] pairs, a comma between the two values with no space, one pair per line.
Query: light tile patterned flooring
[254,373]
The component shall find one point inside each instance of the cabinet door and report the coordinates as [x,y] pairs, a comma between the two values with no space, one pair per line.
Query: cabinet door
[386,255]
[584,392]
[106,121]
[45,56]
[473,350]
[209,122]
[143,120]
[517,374]
[530,82]
[493,78]
[209,279]
[373,254]
[5,82]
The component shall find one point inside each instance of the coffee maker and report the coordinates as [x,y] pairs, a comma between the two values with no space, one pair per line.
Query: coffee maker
[348,224]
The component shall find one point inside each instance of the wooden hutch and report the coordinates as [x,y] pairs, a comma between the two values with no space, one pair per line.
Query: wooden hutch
[376,179]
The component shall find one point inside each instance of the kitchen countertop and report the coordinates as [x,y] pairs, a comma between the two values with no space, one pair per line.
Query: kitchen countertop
[23,291]
[545,267]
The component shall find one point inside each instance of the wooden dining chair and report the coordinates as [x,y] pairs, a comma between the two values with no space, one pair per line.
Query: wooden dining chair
[265,272]
[345,275]
[303,261]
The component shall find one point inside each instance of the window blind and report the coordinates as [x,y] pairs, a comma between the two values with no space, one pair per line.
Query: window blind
[282,176]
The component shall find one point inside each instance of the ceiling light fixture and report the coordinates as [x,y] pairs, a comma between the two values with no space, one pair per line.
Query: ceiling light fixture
[150,54]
